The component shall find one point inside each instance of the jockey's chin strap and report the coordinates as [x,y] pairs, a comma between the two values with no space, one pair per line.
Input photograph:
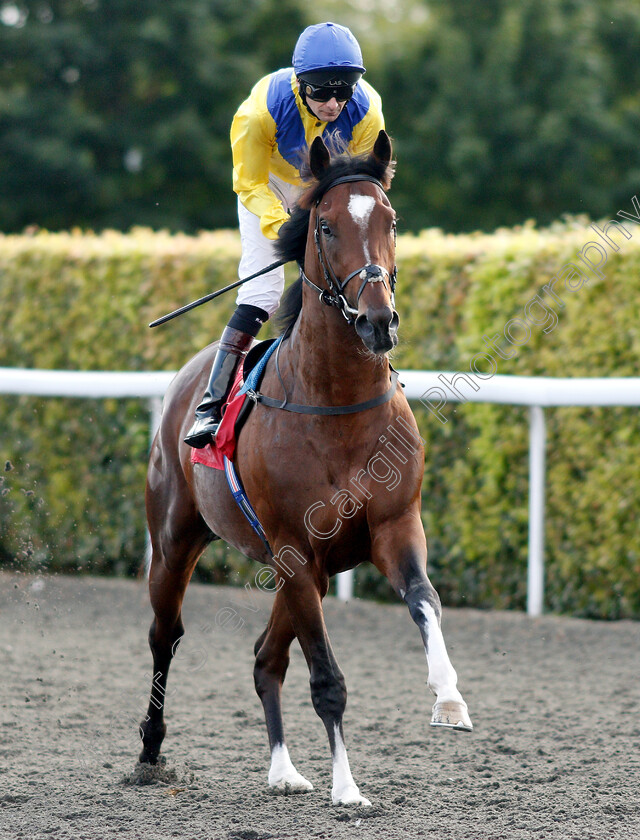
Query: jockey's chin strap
[334,294]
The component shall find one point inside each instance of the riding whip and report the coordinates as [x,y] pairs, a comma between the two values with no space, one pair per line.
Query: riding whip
[213,295]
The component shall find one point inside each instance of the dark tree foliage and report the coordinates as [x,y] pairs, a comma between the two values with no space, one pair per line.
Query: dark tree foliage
[117,113]
[510,111]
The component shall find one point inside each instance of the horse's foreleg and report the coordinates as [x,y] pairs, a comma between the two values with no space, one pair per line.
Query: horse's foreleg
[272,661]
[328,688]
[400,552]
[449,710]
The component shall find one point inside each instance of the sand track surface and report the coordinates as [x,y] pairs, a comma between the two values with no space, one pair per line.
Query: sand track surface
[555,703]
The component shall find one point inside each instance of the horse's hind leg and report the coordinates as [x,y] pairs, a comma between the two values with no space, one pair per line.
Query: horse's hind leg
[400,552]
[272,661]
[178,540]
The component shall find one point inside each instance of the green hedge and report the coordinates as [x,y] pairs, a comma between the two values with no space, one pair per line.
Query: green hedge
[72,489]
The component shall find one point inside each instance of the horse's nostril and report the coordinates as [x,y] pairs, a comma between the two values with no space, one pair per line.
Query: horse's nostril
[364,327]
[381,319]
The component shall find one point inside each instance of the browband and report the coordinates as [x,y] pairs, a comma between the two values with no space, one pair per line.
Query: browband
[348,179]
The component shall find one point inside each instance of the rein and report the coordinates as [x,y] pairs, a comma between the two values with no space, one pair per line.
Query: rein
[334,295]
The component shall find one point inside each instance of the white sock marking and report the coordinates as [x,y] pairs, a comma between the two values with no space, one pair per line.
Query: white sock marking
[442,676]
[344,791]
[282,774]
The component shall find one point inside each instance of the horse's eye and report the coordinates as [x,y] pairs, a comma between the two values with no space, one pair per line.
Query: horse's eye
[324,227]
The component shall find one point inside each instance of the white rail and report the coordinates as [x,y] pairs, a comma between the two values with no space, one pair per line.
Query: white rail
[432,388]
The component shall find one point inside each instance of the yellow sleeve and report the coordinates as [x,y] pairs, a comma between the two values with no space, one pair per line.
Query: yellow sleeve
[366,132]
[252,142]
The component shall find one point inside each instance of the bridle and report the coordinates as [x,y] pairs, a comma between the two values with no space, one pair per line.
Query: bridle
[334,296]
[371,273]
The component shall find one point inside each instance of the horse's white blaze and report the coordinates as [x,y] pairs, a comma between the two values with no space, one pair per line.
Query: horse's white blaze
[442,676]
[344,791]
[283,775]
[361,207]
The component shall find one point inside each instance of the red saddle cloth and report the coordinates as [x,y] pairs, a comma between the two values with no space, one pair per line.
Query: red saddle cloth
[212,455]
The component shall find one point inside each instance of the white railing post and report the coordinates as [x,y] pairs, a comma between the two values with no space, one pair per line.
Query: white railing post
[155,413]
[344,585]
[535,567]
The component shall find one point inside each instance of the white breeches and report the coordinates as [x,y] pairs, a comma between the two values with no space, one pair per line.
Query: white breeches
[258,252]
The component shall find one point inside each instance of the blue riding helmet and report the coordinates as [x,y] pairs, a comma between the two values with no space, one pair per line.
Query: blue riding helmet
[328,48]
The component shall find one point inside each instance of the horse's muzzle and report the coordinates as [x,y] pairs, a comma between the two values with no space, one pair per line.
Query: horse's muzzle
[378,329]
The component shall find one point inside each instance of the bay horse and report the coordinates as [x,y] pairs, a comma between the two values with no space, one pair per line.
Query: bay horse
[340,325]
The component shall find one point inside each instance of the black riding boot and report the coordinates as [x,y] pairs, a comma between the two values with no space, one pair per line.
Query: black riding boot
[236,339]
[231,350]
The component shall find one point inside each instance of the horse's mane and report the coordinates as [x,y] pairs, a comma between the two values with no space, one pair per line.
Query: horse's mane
[292,237]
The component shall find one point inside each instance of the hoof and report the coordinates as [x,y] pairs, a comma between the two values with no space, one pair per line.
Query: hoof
[149,757]
[283,776]
[451,715]
[293,783]
[152,738]
[350,796]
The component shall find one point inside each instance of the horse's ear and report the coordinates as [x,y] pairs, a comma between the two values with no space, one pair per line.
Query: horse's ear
[382,148]
[319,157]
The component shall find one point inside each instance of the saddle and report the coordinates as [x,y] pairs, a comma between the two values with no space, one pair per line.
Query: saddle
[238,406]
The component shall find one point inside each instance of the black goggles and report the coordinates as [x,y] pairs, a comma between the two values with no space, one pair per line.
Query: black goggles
[323,93]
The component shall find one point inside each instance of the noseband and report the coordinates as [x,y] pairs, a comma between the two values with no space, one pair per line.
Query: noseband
[334,295]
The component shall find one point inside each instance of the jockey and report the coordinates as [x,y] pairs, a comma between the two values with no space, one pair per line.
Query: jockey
[322,94]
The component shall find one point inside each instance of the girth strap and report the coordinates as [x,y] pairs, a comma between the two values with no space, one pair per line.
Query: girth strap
[242,500]
[325,410]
